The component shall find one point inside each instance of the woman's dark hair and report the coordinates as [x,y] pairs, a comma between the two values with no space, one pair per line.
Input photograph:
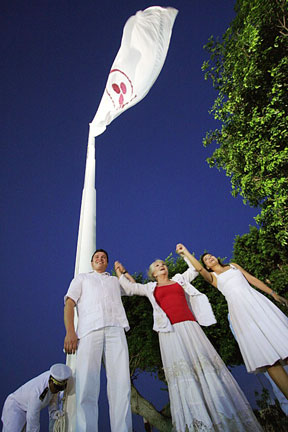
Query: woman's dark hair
[204,265]
[100,250]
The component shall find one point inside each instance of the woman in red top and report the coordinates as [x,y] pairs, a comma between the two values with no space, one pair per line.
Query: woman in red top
[203,394]
[173,301]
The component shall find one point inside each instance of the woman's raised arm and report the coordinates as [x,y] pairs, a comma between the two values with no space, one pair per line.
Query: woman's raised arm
[183,251]
[127,282]
[261,285]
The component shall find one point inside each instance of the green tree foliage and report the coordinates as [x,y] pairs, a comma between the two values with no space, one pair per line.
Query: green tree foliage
[220,334]
[249,70]
[143,343]
[270,415]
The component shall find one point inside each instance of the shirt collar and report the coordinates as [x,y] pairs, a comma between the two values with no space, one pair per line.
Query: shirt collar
[101,274]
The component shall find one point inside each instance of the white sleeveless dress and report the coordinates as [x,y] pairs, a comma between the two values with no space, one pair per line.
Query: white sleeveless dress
[261,329]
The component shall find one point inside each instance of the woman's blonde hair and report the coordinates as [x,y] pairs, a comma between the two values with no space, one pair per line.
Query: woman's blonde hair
[151,269]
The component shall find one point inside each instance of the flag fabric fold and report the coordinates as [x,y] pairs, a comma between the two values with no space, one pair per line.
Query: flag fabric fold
[144,46]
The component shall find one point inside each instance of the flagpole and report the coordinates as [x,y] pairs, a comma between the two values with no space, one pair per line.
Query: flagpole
[144,46]
[86,245]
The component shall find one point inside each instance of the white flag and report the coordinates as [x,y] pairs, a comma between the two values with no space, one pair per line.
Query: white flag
[142,53]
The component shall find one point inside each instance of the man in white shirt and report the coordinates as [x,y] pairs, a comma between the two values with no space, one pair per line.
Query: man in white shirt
[99,335]
[24,405]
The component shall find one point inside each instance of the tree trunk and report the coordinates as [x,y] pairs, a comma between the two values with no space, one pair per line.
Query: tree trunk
[145,409]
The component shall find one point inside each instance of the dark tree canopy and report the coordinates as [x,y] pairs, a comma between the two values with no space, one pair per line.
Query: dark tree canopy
[249,69]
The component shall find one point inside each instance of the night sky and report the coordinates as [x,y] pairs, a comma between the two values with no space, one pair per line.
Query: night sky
[154,186]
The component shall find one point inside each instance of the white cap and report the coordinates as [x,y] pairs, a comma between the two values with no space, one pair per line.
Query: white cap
[60,372]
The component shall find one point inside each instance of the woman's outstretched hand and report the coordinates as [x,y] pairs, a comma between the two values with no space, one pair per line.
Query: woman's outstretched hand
[119,268]
[280,299]
[181,249]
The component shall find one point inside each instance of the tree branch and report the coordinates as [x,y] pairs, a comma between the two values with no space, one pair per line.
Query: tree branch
[145,409]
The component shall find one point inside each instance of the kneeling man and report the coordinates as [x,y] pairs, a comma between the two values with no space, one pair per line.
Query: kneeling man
[24,405]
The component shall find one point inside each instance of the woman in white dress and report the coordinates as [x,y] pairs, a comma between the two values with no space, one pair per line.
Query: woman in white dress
[203,394]
[261,329]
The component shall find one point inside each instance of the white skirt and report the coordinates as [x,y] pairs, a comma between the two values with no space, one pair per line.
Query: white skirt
[261,330]
[203,394]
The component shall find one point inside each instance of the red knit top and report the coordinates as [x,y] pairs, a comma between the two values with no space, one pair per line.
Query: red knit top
[171,298]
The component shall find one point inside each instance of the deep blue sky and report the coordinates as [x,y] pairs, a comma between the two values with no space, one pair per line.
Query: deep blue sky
[154,187]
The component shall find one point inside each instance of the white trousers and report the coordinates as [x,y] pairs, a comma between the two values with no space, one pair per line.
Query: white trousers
[109,344]
[13,417]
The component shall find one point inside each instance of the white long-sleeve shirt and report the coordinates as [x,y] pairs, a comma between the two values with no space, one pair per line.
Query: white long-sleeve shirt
[26,401]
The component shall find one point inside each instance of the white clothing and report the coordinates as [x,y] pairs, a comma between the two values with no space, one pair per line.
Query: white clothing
[261,329]
[198,302]
[109,343]
[98,301]
[24,405]
[101,324]
[277,392]
[203,394]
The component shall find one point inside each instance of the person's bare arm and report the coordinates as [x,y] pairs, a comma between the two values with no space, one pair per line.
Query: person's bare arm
[120,269]
[261,285]
[209,277]
[71,339]
[128,284]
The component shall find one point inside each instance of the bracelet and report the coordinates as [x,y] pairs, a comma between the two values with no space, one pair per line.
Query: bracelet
[272,292]
[124,272]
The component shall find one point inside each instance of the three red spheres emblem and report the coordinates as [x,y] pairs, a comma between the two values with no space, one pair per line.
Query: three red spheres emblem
[120,89]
